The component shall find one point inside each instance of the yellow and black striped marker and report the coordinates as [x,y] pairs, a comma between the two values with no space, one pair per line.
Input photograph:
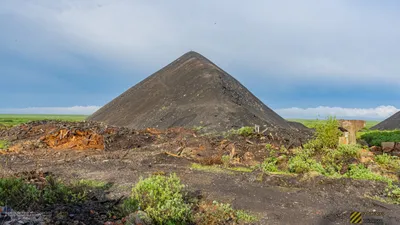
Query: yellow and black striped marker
[355,218]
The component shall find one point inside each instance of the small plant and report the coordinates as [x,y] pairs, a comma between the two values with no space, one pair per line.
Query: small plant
[270,165]
[57,192]
[219,213]
[388,161]
[363,173]
[4,144]
[326,135]
[161,197]
[393,193]
[17,194]
[226,159]
[268,147]
[246,131]
[375,138]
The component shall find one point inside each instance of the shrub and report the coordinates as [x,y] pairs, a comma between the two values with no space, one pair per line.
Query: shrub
[226,159]
[375,138]
[361,172]
[246,131]
[299,164]
[162,199]
[327,134]
[4,144]
[393,192]
[219,213]
[20,195]
[17,194]
[270,165]
[388,161]
[57,192]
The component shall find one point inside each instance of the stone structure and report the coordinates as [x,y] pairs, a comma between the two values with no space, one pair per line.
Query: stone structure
[351,127]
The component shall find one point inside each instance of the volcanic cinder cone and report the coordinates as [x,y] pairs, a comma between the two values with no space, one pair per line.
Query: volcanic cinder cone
[391,123]
[189,92]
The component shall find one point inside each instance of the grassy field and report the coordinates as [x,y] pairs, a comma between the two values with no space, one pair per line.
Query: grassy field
[312,123]
[14,119]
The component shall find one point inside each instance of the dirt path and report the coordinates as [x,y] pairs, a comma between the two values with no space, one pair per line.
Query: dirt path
[276,199]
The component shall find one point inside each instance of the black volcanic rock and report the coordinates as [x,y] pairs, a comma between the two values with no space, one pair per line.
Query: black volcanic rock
[189,92]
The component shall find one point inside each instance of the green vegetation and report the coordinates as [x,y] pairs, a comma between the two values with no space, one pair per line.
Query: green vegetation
[4,144]
[164,200]
[315,122]
[21,195]
[375,138]
[207,168]
[220,213]
[15,119]
[226,160]
[245,131]
[388,161]
[362,173]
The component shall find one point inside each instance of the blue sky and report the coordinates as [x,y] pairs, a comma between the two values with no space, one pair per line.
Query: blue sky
[302,58]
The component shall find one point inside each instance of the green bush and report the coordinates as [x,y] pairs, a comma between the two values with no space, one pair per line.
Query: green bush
[57,192]
[361,172]
[20,195]
[270,165]
[162,199]
[17,194]
[299,164]
[327,135]
[246,131]
[4,144]
[219,213]
[375,138]
[388,161]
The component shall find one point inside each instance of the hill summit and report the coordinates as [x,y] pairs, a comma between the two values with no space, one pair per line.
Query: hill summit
[189,92]
[391,123]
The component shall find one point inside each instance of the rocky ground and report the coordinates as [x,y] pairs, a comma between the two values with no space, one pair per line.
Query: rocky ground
[275,199]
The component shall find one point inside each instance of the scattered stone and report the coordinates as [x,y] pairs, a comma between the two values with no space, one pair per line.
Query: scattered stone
[366,156]
[388,146]
[138,218]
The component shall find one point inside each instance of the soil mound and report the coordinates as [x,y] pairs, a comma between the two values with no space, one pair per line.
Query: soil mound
[391,123]
[189,92]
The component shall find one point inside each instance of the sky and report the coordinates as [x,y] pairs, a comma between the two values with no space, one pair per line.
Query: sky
[304,59]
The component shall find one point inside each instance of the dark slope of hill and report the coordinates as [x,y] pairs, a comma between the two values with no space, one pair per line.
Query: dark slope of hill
[391,123]
[189,92]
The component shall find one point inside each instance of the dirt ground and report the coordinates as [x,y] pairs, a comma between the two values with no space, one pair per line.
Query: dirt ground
[275,199]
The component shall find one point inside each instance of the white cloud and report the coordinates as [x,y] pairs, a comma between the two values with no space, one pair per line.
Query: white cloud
[74,110]
[321,112]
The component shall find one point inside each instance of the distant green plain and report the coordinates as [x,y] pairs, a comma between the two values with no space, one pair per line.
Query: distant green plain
[312,123]
[15,119]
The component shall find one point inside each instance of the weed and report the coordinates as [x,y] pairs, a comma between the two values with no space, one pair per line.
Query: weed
[161,197]
[94,184]
[268,147]
[375,138]
[388,161]
[211,169]
[220,213]
[270,165]
[226,159]
[17,194]
[361,172]
[245,131]
[4,144]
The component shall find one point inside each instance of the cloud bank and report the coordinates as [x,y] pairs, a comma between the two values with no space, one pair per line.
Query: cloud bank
[74,110]
[321,112]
